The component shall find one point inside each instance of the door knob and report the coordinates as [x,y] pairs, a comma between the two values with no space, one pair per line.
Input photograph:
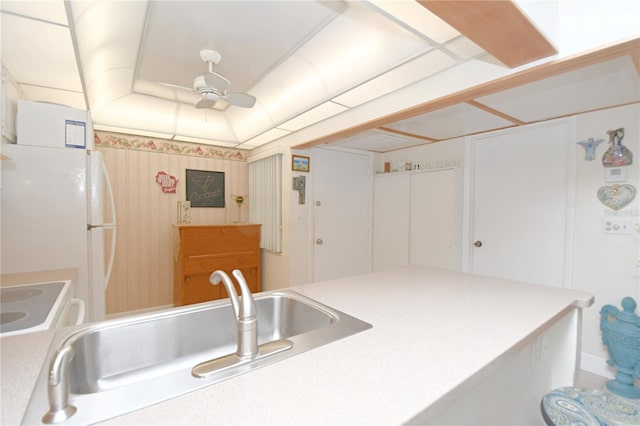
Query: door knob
[319,241]
[478,243]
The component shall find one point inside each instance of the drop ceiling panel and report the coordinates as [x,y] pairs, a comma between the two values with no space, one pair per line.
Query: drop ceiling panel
[413,15]
[204,141]
[319,113]
[133,112]
[414,70]
[56,96]
[166,92]
[378,141]
[447,123]
[202,123]
[144,133]
[50,11]
[357,46]
[606,84]
[39,53]
[264,138]
[464,48]
[231,28]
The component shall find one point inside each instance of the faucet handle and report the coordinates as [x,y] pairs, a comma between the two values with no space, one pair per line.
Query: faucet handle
[247,304]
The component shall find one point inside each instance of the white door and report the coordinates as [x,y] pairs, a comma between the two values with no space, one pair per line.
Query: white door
[342,213]
[435,219]
[522,184]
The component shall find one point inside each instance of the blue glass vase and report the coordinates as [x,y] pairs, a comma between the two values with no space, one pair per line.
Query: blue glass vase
[621,335]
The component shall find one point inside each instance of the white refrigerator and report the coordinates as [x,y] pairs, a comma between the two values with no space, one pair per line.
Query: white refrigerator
[54,191]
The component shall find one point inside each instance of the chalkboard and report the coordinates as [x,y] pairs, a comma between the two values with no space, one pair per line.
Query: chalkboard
[205,188]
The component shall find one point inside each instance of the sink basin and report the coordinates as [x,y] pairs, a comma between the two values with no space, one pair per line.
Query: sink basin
[126,364]
[157,346]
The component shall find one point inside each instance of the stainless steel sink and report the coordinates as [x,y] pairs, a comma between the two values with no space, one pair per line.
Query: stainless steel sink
[126,364]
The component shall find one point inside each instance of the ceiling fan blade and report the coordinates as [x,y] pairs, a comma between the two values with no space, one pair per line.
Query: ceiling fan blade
[240,99]
[216,81]
[175,86]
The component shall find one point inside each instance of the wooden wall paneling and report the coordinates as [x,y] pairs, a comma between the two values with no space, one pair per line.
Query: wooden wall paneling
[118,266]
[162,214]
[157,220]
[132,163]
[142,275]
[142,212]
[154,192]
[166,212]
[174,165]
[122,212]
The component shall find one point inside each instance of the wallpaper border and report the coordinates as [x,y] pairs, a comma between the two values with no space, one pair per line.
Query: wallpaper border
[165,146]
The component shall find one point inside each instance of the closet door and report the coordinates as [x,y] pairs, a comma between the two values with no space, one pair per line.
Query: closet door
[342,213]
[521,216]
[390,221]
[435,219]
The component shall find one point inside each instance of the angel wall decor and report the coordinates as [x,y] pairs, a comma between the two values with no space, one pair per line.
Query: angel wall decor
[590,146]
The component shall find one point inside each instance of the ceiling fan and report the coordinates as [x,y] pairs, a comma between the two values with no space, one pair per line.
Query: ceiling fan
[213,87]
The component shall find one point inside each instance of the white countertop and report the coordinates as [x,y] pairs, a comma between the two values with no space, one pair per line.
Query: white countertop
[432,331]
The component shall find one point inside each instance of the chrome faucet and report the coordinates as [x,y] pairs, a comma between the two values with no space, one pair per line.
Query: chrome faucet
[245,312]
[58,387]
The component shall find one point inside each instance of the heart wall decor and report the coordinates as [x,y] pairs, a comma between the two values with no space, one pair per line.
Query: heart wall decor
[616,197]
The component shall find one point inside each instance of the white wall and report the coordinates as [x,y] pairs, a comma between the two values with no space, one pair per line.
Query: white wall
[432,156]
[603,264]
[587,24]
[301,226]
[578,25]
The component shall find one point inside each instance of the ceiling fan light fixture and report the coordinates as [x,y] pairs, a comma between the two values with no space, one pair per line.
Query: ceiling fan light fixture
[210,96]
[199,84]
[213,87]
[210,56]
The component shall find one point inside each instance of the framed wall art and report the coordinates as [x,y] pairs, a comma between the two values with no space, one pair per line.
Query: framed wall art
[205,188]
[299,163]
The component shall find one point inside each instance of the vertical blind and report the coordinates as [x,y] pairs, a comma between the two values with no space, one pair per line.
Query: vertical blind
[265,200]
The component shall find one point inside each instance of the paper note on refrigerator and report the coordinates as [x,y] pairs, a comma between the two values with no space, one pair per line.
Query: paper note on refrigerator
[74,133]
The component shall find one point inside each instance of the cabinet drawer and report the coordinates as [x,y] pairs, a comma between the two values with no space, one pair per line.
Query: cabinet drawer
[204,264]
[198,241]
[197,289]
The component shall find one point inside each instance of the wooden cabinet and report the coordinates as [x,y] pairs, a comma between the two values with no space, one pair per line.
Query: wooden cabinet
[202,249]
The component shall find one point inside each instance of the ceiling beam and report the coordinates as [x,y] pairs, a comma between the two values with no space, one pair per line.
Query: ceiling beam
[411,135]
[499,27]
[495,112]
[529,75]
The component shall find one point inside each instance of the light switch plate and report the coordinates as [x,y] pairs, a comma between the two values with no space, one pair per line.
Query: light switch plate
[615,174]
[616,225]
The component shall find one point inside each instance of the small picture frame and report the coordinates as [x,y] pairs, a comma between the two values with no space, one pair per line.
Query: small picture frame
[205,188]
[299,163]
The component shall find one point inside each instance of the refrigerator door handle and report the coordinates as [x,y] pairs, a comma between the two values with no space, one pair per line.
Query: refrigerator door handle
[79,305]
[112,225]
